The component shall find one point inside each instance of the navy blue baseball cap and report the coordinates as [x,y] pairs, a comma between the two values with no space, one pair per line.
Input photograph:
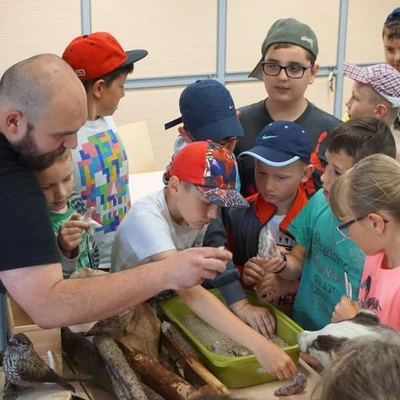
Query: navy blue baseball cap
[281,143]
[208,112]
[393,16]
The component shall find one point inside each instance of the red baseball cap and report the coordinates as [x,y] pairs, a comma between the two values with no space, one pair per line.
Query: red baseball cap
[212,169]
[97,54]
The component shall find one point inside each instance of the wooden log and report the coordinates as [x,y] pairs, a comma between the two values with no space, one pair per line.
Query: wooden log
[79,349]
[125,382]
[176,338]
[156,376]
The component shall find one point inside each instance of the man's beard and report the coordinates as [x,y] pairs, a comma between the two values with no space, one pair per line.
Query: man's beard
[29,154]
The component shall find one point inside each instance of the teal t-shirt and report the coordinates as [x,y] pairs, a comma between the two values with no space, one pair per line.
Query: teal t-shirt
[327,257]
[57,219]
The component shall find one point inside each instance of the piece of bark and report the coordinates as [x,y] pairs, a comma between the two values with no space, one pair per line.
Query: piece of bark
[157,377]
[172,333]
[125,382]
[143,331]
[84,353]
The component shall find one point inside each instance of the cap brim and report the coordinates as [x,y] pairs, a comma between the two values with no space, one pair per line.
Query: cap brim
[223,197]
[355,72]
[134,56]
[219,130]
[173,123]
[257,72]
[270,156]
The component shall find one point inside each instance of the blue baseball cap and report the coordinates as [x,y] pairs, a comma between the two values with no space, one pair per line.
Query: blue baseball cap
[208,111]
[393,16]
[281,143]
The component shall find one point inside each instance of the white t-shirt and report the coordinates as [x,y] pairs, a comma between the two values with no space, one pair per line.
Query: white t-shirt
[280,237]
[102,179]
[147,230]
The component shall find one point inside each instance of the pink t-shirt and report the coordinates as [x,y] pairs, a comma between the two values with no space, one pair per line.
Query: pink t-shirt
[380,290]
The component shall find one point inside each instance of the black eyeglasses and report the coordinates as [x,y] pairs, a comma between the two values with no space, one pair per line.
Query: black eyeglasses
[343,229]
[228,140]
[292,71]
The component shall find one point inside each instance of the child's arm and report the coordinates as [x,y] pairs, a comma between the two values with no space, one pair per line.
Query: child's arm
[252,273]
[289,267]
[210,309]
[273,286]
[345,309]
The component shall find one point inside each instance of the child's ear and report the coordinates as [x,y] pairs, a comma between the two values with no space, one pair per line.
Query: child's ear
[308,170]
[97,88]
[313,74]
[173,184]
[378,222]
[183,132]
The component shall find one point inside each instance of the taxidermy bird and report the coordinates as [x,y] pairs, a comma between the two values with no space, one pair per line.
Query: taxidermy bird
[24,368]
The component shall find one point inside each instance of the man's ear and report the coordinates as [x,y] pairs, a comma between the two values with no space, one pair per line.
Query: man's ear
[313,74]
[308,170]
[97,88]
[381,110]
[183,132]
[15,125]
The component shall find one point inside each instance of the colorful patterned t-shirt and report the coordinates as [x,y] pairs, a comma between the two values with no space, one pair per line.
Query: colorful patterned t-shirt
[101,178]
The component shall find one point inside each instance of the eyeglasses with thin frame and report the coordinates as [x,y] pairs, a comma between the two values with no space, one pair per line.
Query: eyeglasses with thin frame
[223,143]
[292,71]
[228,140]
[343,229]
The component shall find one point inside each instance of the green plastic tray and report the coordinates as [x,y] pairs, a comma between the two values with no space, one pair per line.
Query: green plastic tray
[235,372]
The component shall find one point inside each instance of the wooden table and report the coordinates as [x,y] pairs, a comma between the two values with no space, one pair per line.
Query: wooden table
[266,390]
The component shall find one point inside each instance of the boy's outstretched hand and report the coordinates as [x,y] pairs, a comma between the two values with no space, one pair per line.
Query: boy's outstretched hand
[275,361]
[70,235]
[259,318]
[345,309]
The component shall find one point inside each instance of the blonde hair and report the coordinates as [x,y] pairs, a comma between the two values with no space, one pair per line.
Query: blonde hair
[371,186]
[367,368]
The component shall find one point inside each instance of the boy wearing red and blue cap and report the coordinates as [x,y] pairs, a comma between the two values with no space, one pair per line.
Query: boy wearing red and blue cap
[202,179]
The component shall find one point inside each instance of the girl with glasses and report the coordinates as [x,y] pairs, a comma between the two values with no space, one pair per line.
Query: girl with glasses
[366,199]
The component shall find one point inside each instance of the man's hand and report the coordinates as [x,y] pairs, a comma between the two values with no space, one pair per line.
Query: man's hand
[70,234]
[252,272]
[259,318]
[275,361]
[345,309]
[273,286]
[191,267]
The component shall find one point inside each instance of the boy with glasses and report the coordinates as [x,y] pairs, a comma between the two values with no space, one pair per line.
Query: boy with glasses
[321,255]
[287,66]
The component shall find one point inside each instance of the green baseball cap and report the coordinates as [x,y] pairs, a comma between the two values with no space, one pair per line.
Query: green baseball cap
[287,30]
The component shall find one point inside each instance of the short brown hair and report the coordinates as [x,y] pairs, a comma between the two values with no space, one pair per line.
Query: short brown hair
[362,137]
[391,30]
[277,46]
[110,77]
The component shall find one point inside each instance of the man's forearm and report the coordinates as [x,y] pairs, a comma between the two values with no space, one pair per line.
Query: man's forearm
[74,301]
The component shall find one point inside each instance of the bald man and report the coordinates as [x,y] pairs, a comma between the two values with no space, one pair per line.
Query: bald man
[42,106]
